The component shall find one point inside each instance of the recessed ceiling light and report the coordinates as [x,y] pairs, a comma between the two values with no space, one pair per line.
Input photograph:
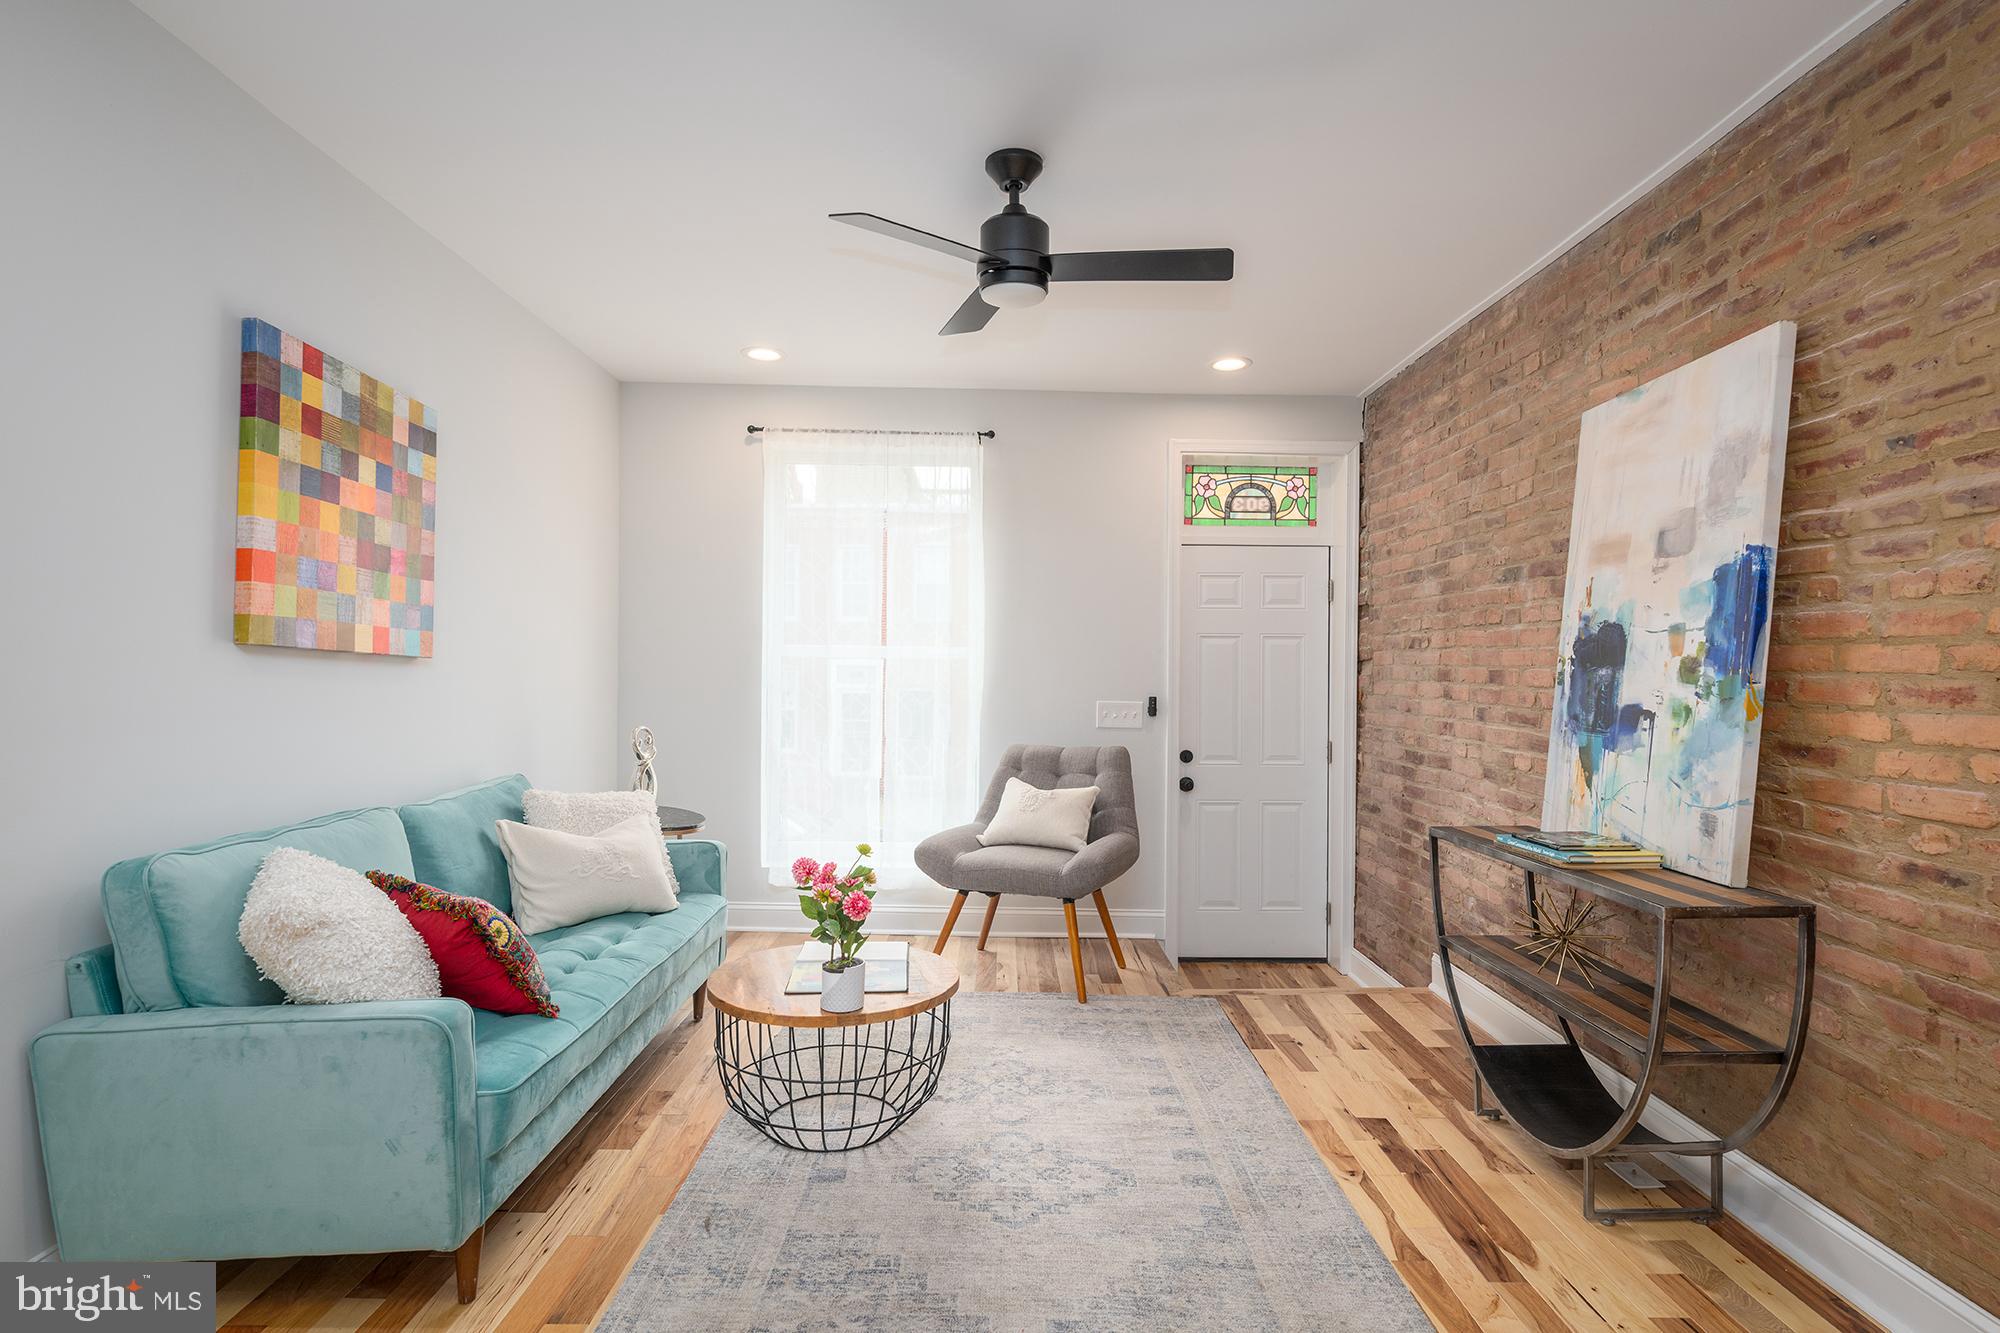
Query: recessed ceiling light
[773,354]
[1227,363]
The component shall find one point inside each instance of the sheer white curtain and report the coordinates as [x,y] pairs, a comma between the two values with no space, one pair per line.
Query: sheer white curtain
[873,643]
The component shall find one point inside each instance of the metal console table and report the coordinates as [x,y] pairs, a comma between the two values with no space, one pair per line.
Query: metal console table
[1549,1089]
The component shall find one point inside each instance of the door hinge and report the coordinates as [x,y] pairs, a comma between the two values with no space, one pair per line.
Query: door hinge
[1331,596]
[1329,752]
[1329,914]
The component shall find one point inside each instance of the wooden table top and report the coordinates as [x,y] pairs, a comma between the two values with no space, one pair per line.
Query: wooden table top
[752,987]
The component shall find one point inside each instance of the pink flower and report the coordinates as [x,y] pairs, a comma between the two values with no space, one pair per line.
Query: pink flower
[856,906]
[1296,487]
[828,874]
[804,869]
[1204,486]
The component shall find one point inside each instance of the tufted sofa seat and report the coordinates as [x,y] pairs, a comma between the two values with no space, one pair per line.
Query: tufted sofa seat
[604,975]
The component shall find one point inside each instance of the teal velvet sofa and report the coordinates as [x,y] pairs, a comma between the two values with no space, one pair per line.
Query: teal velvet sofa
[187,1112]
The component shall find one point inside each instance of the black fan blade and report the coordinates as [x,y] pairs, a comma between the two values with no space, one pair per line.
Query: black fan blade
[971,316]
[1144,266]
[897,231]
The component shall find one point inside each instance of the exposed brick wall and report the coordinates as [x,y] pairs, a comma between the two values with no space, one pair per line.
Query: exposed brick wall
[1864,203]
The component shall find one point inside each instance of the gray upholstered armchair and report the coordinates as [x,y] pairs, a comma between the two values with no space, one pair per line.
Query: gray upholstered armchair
[957,860]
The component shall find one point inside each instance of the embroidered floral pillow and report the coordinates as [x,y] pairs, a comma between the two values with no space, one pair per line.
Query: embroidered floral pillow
[482,956]
[1031,816]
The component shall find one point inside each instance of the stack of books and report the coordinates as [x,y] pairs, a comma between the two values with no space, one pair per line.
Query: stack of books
[1580,849]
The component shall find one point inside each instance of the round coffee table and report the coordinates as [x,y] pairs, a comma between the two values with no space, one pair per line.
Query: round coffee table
[824,1082]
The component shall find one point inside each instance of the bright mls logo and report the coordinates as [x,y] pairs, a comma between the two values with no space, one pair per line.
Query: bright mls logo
[166,1297]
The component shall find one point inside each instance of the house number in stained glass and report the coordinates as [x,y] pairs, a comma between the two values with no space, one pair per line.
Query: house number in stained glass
[1263,497]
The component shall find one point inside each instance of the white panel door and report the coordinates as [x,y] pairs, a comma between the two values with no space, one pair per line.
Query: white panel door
[1251,751]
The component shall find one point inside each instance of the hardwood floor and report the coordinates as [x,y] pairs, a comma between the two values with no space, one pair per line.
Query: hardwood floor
[1483,1226]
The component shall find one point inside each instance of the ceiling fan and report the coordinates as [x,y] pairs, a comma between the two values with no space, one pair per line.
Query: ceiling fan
[1015,266]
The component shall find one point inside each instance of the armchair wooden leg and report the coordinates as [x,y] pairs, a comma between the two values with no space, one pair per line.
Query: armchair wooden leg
[1075,949]
[700,1000]
[950,920]
[986,925]
[1104,915]
[467,1256]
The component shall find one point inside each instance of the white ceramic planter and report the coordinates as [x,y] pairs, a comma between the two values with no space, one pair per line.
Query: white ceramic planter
[842,992]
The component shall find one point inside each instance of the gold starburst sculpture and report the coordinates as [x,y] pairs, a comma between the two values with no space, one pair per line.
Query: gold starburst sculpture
[1562,937]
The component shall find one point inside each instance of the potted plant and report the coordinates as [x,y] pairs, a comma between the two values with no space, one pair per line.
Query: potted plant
[837,903]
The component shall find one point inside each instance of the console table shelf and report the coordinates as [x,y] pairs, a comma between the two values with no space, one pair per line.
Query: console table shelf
[1617,1007]
[1551,1089]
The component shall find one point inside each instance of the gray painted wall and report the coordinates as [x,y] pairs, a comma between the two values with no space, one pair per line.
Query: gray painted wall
[1077,507]
[151,204]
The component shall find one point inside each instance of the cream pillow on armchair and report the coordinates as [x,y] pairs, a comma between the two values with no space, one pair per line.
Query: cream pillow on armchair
[560,878]
[1030,816]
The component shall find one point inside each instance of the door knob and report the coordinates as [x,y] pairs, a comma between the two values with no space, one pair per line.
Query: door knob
[1187,784]
[1187,756]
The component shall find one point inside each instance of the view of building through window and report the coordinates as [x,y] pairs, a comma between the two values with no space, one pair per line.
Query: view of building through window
[872,641]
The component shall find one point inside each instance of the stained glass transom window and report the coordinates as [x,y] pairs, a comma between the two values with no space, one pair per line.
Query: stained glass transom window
[1218,495]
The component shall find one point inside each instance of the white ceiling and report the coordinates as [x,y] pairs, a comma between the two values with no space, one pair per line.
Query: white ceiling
[652,179]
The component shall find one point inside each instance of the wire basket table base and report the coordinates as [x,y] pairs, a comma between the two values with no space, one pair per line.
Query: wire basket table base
[831,1089]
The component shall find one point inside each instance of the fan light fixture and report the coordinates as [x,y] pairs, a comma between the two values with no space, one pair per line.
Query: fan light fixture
[1229,363]
[763,354]
[1013,295]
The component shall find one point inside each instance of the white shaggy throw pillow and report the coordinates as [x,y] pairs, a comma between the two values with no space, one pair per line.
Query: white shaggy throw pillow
[591,812]
[560,879]
[1031,817]
[328,936]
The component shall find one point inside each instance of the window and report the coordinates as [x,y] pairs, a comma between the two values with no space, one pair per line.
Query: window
[1249,495]
[873,610]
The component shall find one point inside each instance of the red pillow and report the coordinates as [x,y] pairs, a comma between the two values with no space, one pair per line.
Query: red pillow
[482,956]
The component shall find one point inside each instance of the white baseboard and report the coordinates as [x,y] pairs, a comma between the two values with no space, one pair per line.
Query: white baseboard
[1882,1283]
[1032,918]
[1367,971]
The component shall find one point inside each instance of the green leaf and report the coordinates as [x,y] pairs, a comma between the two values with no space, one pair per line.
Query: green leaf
[1284,506]
[1215,502]
[810,908]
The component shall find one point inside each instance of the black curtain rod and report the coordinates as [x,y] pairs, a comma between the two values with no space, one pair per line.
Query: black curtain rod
[832,430]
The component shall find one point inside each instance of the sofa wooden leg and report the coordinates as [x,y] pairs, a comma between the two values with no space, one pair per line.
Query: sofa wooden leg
[1075,949]
[467,1256]
[1104,915]
[950,920]
[986,925]
[701,999]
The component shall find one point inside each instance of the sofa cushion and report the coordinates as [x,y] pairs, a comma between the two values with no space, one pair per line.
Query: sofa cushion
[173,915]
[603,975]
[452,842]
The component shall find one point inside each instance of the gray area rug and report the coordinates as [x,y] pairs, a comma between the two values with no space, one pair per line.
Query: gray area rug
[1120,1165]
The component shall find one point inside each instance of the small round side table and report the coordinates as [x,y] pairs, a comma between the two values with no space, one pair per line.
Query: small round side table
[822,1082]
[678,821]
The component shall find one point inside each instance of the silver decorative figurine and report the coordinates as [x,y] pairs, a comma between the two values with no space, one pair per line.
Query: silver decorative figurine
[643,750]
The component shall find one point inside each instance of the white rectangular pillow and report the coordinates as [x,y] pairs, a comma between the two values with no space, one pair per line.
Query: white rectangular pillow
[592,812]
[1030,816]
[560,879]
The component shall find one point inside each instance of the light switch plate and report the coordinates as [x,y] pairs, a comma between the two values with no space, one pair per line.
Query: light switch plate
[1126,713]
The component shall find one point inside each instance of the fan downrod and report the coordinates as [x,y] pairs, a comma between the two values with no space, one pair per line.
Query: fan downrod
[1014,169]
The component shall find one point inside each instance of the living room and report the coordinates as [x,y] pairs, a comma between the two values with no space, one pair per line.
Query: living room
[671,752]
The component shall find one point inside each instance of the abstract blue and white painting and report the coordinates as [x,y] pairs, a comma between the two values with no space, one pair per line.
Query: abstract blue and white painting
[1667,608]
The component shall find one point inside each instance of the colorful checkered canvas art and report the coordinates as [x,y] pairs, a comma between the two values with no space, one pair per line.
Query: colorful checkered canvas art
[336,504]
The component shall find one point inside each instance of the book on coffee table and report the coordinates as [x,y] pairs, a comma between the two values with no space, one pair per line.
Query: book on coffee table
[888,967]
